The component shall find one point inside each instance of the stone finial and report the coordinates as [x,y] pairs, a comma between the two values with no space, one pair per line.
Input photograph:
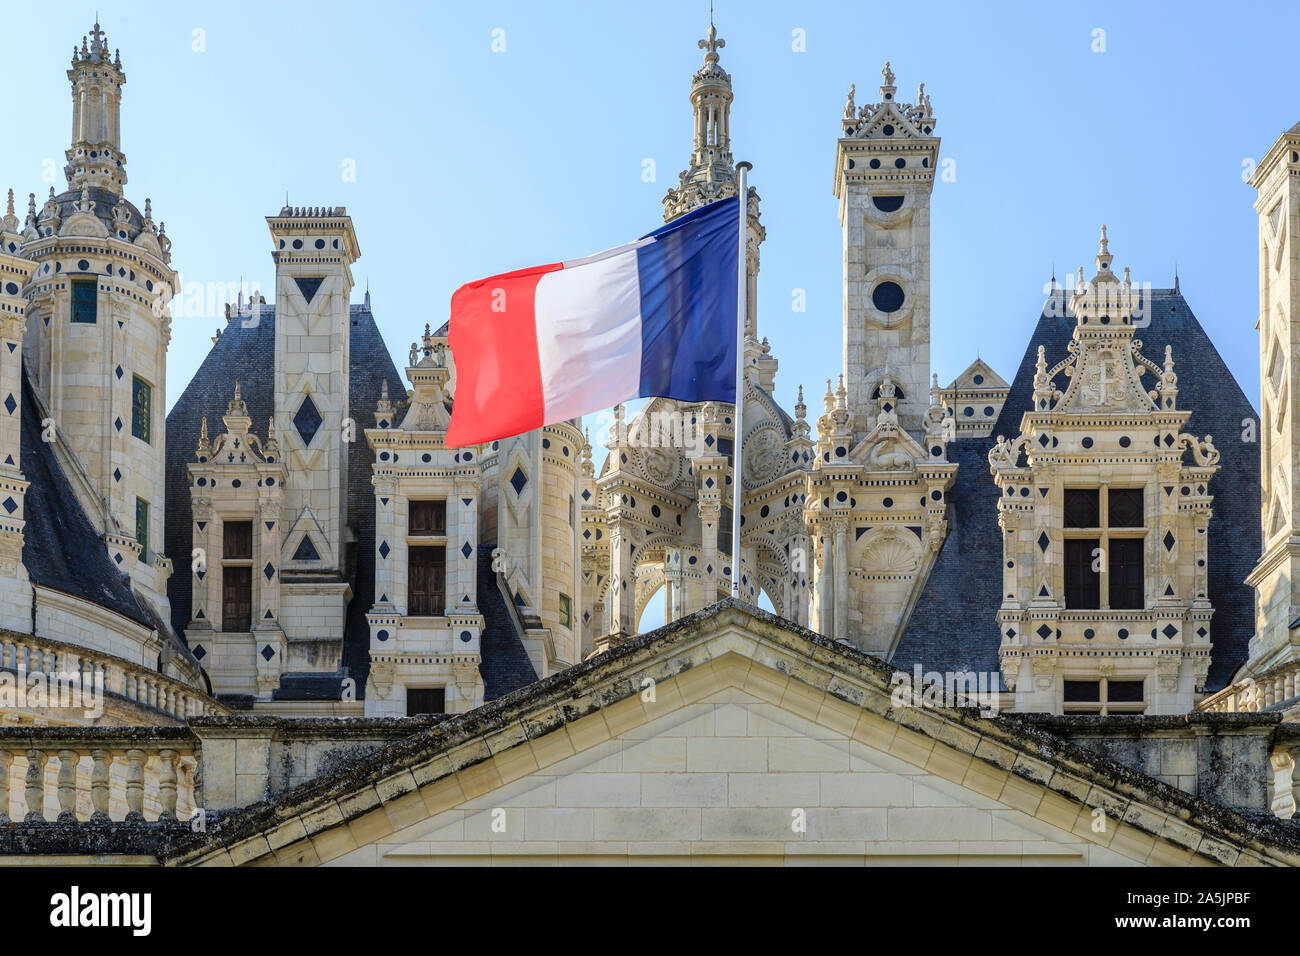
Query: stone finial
[587,469]
[620,424]
[205,446]
[712,45]
[1042,384]
[237,406]
[11,220]
[1104,258]
[98,43]
[272,447]
[828,400]
[800,409]
[850,108]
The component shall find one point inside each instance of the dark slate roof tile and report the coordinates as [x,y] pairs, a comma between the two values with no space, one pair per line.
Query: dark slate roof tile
[61,548]
[505,664]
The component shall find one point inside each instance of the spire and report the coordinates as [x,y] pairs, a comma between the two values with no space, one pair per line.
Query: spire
[95,157]
[711,174]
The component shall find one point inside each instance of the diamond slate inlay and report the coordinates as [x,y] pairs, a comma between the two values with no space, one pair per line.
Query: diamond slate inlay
[384,549]
[308,285]
[269,571]
[1168,541]
[307,420]
[518,480]
[1044,631]
[268,652]
[306,550]
[1043,541]
[466,550]
[10,505]
[10,404]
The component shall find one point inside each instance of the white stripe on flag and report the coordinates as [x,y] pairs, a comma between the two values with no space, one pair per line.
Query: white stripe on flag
[589,335]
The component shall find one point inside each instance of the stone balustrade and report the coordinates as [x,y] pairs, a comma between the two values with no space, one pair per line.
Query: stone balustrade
[1254,694]
[97,774]
[164,696]
[56,778]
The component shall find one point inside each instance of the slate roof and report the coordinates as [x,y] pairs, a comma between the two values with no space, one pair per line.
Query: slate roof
[506,665]
[61,548]
[965,584]
[247,354]
[105,201]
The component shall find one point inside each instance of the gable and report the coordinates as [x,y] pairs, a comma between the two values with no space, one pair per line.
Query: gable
[733,736]
[737,777]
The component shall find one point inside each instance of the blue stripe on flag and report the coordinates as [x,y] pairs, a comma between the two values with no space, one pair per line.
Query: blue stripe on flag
[688,306]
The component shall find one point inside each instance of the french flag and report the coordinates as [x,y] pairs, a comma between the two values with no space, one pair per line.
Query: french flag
[653,318]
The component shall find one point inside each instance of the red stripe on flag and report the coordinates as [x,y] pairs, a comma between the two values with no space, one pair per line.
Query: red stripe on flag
[493,339]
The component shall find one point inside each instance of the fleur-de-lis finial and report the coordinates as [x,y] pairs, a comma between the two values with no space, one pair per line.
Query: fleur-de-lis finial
[711,44]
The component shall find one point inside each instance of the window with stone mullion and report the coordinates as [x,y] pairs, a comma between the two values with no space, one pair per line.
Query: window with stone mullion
[1108,524]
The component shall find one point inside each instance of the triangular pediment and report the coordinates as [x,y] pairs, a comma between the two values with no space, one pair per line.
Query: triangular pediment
[730,734]
[978,375]
[887,122]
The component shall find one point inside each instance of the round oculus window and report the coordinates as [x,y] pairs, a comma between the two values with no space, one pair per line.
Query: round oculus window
[887,296]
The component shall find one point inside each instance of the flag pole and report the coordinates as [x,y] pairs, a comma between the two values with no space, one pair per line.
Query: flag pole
[738,429]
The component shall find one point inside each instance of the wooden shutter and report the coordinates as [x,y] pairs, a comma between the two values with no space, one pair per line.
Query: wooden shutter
[426,573]
[237,541]
[237,599]
[428,518]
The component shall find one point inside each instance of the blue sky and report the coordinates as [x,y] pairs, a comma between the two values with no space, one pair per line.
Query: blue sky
[470,162]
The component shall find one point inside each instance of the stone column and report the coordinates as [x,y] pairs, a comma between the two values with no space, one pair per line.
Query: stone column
[462,568]
[68,786]
[826,579]
[35,790]
[385,544]
[841,532]
[99,781]
[622,581]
